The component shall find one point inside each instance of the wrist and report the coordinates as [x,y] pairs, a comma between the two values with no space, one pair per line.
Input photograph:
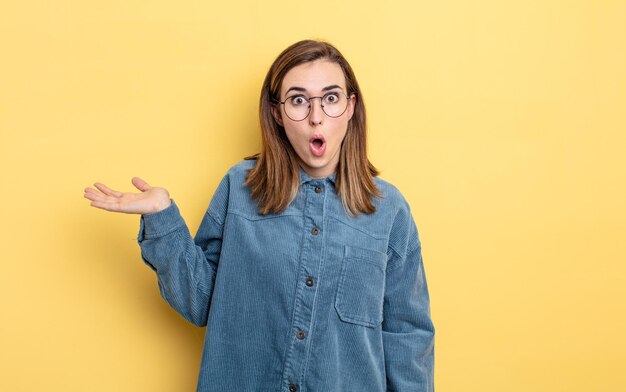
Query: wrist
[163,204]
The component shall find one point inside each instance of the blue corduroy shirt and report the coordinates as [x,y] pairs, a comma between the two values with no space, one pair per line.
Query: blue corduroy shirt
[309,299]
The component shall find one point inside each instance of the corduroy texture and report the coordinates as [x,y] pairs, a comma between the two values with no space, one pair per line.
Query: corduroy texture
[310,297]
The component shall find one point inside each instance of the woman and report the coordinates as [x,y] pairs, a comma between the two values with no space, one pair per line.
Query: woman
[306,268]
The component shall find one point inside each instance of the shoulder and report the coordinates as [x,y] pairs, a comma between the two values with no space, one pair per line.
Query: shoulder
[403,235]
[240,169]
[231,190]
[392,201]
[235,177]
[391,197]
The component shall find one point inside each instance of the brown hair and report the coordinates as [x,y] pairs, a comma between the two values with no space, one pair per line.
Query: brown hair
[275,179]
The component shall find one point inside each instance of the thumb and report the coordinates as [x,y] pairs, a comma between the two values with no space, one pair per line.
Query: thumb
[140,184]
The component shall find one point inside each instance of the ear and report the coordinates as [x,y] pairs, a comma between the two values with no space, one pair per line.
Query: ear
[277,115]
[351,104]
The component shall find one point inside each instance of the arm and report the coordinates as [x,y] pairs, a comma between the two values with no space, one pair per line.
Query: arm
[408,331]
[185,267]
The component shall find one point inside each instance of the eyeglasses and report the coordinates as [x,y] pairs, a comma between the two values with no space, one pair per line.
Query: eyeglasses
[297,107]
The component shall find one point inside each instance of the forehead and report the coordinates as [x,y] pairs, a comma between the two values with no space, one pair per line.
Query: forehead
[314,76]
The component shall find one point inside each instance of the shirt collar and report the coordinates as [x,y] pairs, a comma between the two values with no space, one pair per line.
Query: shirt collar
[304,177]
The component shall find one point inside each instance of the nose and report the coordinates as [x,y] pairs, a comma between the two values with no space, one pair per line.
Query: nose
[317,113]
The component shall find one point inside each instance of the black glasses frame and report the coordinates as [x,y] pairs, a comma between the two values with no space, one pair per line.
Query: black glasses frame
[321,104]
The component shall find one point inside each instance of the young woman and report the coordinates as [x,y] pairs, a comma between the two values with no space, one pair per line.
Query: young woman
[306,268]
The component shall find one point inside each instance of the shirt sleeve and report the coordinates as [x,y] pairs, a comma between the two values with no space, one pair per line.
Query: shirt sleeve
[408,331]
[185,267]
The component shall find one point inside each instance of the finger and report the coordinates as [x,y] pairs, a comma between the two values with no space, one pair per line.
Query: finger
[140,184]
[90,195]
[97,196]
[104,189]
[108,206]
[95,191]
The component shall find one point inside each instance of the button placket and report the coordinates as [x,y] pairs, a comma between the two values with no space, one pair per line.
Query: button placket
[304,304]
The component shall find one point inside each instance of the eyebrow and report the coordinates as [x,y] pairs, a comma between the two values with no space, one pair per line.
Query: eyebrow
[302,89]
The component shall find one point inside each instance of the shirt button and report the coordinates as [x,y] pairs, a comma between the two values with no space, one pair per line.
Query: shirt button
[309,281]
[300,334]
[315,231]
[293,387]
[318,189]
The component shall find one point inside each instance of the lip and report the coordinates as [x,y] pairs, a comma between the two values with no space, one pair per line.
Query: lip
[317,150]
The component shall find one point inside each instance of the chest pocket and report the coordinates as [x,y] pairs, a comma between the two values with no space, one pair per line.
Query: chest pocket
[361,287]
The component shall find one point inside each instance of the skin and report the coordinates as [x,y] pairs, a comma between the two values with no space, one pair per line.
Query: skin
[313,77]
[151,199]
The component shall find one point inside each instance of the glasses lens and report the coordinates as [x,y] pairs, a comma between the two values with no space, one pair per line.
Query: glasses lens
[297,107]
[334,104]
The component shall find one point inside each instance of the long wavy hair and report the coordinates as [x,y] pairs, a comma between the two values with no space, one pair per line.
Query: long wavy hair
[275,179]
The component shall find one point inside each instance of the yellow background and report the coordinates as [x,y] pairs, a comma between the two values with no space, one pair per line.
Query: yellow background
[503,124]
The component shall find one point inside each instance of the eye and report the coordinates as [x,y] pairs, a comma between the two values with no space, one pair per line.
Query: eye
[298,100]
[332,98]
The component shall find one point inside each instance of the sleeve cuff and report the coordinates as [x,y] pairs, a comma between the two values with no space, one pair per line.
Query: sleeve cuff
[160,223]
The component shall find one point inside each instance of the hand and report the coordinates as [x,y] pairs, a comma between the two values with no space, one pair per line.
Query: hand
[151,199]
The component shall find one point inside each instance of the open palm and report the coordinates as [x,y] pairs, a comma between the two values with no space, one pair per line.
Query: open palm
[150,199]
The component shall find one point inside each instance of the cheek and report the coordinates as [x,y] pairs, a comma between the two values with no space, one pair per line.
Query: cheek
[293,133]
[342,129]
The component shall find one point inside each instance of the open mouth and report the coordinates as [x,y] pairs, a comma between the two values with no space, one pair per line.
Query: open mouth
[317,144]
